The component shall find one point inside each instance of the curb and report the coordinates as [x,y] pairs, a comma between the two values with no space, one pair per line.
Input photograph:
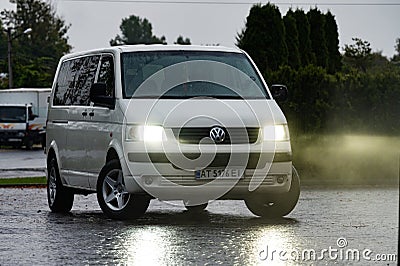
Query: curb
[24,169]
[33,185]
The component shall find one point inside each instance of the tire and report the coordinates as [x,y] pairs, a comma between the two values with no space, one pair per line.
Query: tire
[113,198]
[278,205]
[59,198]
[43,141]
[196,208]
[29,144]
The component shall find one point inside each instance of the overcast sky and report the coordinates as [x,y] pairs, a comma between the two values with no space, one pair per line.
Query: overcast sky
[94,23]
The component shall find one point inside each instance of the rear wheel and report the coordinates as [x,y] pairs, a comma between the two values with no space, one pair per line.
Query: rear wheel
[274,206]
[59,198]
[114,200]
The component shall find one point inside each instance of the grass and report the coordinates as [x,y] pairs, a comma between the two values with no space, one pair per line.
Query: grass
[23,181]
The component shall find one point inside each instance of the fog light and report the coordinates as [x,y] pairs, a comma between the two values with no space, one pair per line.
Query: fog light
[148,181]
[280,179]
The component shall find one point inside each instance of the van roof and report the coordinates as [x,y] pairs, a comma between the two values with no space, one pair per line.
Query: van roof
[14,105]
[155,47]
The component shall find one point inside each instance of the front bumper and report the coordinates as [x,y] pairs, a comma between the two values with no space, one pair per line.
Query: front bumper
[154,171]
[12,136]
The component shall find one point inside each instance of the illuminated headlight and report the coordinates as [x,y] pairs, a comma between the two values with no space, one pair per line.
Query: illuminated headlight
[145,133]
[276,133]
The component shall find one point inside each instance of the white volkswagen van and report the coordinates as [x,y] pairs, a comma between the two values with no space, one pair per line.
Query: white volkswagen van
[186,123]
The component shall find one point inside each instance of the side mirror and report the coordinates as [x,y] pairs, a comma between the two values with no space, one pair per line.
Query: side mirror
[32,117]
[98,95]
[279,92]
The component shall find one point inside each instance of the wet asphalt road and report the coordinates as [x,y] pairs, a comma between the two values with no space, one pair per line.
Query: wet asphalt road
[22,163]
[363,220]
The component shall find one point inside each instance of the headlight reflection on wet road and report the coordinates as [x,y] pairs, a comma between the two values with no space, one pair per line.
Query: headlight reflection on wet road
[226,233]
[146,246]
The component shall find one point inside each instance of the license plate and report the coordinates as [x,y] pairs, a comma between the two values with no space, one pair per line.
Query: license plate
[212,173]
[14,140]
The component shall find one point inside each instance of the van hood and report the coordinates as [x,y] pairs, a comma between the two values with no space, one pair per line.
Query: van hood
[204,112]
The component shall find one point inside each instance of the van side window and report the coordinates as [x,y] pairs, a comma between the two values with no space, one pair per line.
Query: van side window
[74,81]
[106,74]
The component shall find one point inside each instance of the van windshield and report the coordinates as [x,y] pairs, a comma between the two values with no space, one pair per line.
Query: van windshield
[188,74]
[12,114]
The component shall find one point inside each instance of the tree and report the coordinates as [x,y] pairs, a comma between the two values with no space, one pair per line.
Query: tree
[36,55]
[181,40]
[317,36]
[303,29]
[136,30]
[264,37]
[396,57]
[332,44]
[357,50]
[357,55]
[292,40]
[3,57]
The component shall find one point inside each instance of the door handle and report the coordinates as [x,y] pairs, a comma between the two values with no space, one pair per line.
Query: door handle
[84,113]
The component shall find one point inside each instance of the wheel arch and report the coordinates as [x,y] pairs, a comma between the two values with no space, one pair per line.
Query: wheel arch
[52,152]
[115,152]
[112,154]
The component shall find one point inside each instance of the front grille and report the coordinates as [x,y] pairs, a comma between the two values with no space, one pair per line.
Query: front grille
[9,133]
[254,160]
[193,135]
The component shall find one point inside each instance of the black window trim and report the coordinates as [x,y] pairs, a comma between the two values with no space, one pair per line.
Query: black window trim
[114,68]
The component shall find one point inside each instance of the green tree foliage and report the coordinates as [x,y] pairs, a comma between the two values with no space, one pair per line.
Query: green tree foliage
[332,44]
[358,54]
[309,103]
[136,30]
[3,43]
[396,57]
[3,57]
[328,92]
[264,37]
[358,49]
[303,29]
[317,36]
[292,39]
[36,55]
[183,41]
[351,101]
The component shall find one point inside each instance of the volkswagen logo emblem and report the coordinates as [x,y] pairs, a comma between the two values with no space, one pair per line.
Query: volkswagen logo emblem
[217,134]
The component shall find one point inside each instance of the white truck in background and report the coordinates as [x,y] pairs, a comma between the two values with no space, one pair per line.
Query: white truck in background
[23,115]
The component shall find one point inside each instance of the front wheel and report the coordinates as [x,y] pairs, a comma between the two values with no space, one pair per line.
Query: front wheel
[278,205]
[114,200]
[195,208]
[29,144]
[59,198]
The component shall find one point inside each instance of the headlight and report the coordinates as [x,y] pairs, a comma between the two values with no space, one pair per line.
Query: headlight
[145,133]
[276,133]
